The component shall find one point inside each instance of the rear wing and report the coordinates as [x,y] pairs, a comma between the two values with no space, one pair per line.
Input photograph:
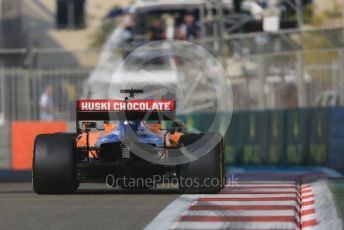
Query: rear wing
[130,110]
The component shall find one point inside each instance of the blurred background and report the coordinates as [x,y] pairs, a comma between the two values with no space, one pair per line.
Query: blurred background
[284,59]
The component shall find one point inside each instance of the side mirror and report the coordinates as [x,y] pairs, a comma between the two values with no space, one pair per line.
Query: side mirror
[178,126]
[89,125]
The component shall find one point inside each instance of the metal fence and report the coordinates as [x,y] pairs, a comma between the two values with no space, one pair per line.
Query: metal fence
[263,81]
[48,58]
[292,68]
[277,81]
[21,89]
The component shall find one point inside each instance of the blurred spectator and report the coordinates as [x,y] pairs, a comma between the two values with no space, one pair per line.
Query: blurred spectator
[46,104]
[156,32]
[128,28]
[189,30]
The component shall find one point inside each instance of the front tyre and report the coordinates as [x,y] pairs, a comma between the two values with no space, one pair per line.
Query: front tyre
[53,165]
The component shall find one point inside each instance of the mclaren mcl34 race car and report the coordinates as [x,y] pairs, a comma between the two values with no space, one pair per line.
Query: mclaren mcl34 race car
[131,140]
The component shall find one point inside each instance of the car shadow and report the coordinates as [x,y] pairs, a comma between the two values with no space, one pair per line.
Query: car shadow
[127,191]
[96,191]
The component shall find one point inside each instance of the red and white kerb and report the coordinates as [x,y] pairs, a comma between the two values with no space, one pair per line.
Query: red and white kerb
[119,105]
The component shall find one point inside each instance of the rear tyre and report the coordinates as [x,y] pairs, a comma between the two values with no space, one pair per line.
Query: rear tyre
[206,174]
[53,166]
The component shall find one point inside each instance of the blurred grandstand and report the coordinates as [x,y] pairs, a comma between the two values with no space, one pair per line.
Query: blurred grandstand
[42,42]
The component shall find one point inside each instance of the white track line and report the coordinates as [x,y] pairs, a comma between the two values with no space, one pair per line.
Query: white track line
[275,205]
[235,225]
[249,195]
[168,217]
[239,213]
[260,189]
[248,203]
[171,214]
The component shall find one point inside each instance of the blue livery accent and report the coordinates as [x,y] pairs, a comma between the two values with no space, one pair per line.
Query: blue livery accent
[143,134]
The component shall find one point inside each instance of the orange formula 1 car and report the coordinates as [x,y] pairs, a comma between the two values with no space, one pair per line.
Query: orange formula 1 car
[131,140]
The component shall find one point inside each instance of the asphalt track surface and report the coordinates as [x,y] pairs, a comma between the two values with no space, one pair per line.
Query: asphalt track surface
[97,207]
[93,207]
